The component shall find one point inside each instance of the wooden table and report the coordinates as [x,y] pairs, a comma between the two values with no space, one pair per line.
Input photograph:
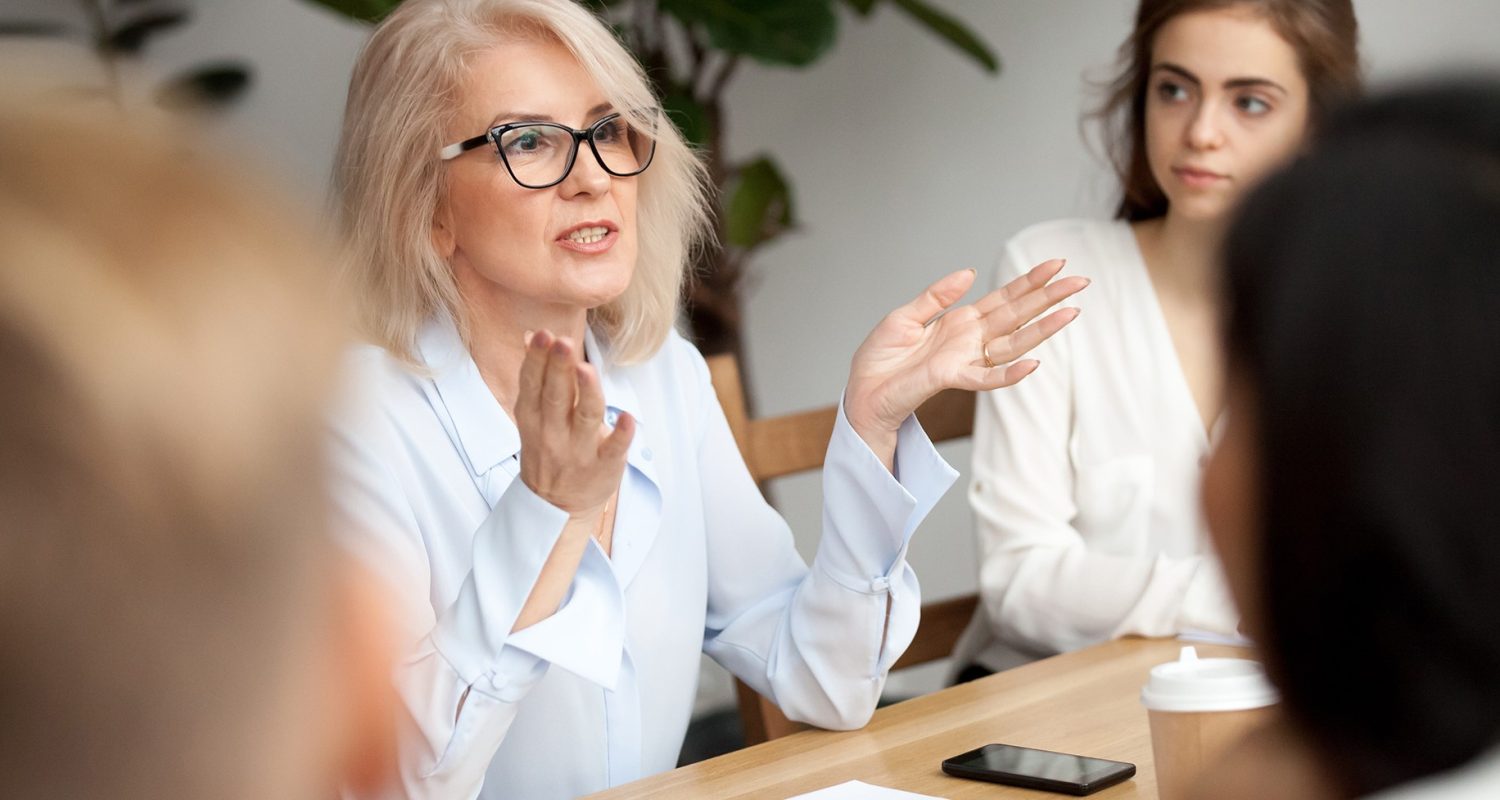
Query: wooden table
[1086,703]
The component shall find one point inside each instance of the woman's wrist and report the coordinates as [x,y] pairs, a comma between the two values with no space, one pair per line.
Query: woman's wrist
[589,515]
[880,437]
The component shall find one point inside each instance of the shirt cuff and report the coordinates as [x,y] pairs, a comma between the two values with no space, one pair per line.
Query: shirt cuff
[509,550]
[516,671]
[868,514]
[587,635]
[922,472]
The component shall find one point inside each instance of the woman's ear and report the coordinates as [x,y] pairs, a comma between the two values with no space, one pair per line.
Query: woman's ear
[364,696]
[443,240]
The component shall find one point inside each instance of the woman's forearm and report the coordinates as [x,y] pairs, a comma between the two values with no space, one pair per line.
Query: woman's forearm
[557,573]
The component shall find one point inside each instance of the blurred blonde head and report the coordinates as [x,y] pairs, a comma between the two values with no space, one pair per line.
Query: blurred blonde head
[166,349]
[389,180]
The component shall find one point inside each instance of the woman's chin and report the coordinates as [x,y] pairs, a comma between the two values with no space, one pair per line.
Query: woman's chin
[1205,208]
[604,282]
[594,295]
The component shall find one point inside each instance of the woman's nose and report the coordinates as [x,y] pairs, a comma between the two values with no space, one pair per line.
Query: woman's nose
[587,175]
[1205,131]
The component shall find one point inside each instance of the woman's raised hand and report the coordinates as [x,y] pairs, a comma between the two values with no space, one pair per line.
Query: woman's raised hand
[569,457]
[927,346]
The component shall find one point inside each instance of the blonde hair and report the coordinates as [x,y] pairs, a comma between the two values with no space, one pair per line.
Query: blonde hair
[403,97]
[166,352]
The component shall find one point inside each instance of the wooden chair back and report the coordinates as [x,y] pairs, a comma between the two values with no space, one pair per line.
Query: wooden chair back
[774,447]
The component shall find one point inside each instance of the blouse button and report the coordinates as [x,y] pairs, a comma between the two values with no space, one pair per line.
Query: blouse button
[611,417]
[646,454]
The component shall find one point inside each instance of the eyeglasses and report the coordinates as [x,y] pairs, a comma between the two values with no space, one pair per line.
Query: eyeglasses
[541,154]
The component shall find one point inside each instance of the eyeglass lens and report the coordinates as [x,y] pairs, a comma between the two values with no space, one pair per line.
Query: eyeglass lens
[538,154]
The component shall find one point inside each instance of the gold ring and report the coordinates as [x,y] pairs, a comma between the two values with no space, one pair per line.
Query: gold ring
[984,350]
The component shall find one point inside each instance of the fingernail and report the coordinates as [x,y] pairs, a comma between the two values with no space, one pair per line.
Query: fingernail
[560,347]
[1087,282]
[973,271]
[526,337]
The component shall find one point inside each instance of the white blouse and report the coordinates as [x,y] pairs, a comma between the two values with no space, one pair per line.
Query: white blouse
[1479,779]
[1086,474]
[600,693]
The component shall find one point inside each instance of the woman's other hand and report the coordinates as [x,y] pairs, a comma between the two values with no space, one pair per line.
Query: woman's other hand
[927,346]
[569,457]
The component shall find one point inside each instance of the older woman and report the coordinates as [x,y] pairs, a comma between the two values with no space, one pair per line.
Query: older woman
[539,460]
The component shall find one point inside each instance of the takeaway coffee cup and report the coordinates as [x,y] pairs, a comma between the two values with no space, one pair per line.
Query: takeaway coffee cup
[1198,707]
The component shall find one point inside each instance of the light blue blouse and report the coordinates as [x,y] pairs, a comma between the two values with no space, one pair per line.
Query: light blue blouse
[600,693]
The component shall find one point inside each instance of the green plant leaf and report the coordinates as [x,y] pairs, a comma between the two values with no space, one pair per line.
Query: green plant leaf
[783,32]
[29,28]
[955,32]
[760,204]
[862,7]
[362,10]
[131,37]
[690,117]
[206,87]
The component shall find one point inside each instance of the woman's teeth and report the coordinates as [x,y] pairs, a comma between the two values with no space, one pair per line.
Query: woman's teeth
[588,235]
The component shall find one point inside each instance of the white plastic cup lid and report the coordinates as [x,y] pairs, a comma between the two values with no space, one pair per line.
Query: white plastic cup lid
[1208,684]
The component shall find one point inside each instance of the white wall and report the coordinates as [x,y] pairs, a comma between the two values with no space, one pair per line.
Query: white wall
[908,163]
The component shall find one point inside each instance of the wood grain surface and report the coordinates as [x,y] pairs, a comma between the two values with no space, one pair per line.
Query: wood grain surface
[1086,703]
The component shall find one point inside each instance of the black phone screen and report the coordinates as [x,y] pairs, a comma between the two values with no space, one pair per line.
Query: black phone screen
[1025,766]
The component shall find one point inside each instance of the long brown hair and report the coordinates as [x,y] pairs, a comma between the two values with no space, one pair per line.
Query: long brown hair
[1324,34]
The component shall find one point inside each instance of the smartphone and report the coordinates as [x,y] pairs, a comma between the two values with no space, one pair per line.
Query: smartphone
[1038,769]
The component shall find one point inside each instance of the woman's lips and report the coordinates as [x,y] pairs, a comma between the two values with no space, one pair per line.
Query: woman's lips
[1198,178]
[589,240]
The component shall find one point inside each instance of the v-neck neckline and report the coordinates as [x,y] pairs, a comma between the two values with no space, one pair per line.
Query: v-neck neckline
[1186,402]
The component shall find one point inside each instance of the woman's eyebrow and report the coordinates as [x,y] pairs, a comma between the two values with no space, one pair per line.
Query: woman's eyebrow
[1254,83]
[504,116]
[1232,83]
[1180,72]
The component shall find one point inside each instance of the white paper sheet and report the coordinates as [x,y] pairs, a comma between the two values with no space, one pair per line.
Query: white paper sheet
[859,790]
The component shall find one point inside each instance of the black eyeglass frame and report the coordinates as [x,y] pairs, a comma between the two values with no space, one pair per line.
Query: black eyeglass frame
[492,136]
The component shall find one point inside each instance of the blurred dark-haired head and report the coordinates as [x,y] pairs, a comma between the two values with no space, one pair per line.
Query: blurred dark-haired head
[1354,496]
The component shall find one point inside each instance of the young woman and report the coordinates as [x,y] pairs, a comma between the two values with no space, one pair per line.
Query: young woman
[1353,492]
[541,463]
[1085,478]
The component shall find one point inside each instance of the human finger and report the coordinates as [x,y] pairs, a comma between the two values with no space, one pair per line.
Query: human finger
[937,298]
[588,414]
[1034,277]
[1014,345]
[559,386]
[1010,316]
[617,443]
[979,378]
[533,368]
